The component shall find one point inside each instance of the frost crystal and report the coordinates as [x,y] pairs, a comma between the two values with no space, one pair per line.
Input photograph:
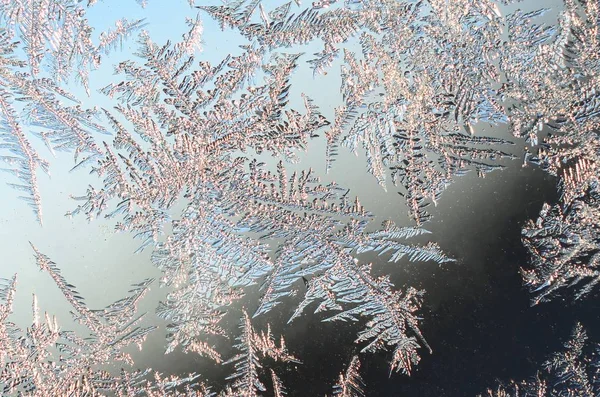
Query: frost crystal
[426,76]
[45,360]
[350,383]
[55,35]
[252,346]
[563,241]
[192,149]
[200,170]
[570,372]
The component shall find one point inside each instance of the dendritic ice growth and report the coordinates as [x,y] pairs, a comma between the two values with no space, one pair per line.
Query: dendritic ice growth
[184,133]
[45,360]
[196,159]
[572,371]
[563,241]
[350,383]
[43,45]
[426,75]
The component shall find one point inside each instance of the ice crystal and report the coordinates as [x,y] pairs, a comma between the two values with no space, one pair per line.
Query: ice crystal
[570,372]
[414,91]
[564,247]
[55,35]
[563,241]
[57,32]
[190,159]
[252,346]
[45,360]
[209,257]
[350,383]
[23,156]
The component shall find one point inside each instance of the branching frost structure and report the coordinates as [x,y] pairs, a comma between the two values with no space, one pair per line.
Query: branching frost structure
[45,360]
[57,41]
[254,346]
[426,76]
[419,79]
[565,249]
[186,145]
[572,371]
[563,241]
[56,35]
[350,383]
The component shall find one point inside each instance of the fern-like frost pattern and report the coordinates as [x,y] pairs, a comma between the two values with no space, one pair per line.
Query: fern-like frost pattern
[196,160]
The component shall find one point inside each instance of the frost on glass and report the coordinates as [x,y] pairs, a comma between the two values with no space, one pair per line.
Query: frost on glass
[572,371]
[179,126]
[563,241]
[252,346]
[195,159]
[193,136]
[425,76]
[53,35]
[350,383]
[565,247]
[45,360]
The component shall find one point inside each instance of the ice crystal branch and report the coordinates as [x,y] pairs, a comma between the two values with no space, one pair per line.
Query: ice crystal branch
[243,224]
[115,326]
[45,360]
[427,74]
[55,35]
[253,347]
[58,31]
[350,383]
[564,249]
[23,157]
[278,388]
[572,371]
